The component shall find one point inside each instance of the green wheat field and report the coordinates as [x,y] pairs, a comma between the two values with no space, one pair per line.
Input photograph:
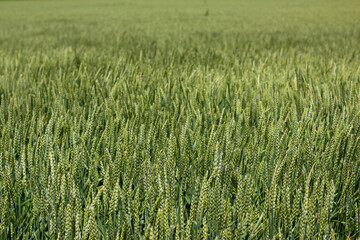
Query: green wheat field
[170,119]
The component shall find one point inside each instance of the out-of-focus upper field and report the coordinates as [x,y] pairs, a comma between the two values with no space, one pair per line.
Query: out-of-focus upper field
[306,26]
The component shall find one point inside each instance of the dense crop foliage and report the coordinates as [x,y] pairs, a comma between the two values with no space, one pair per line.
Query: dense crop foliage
[180,120]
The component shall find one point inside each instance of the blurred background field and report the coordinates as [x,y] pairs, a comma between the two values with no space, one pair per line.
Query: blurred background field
[105,25]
